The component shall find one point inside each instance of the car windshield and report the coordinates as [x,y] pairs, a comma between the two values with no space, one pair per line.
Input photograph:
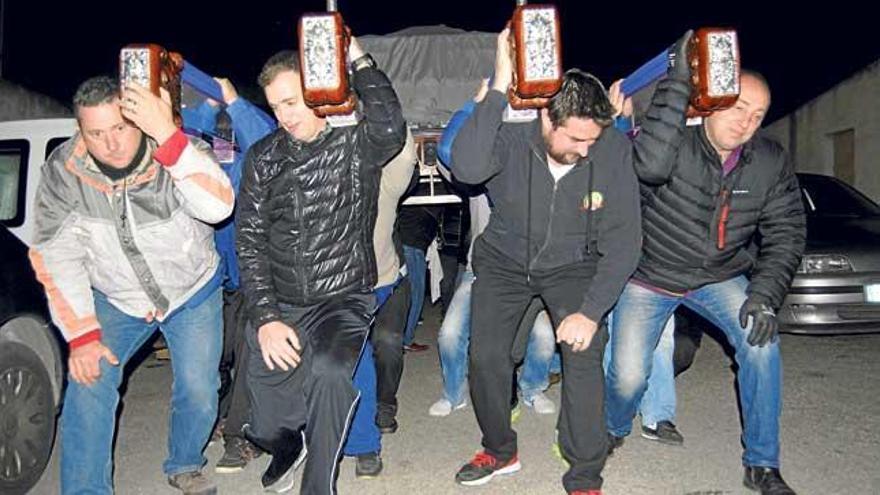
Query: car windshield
[829,197]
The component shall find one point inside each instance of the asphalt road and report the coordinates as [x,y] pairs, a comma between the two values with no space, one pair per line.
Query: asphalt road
[830,432]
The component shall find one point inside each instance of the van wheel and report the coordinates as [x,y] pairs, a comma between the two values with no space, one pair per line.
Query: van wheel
[27,418]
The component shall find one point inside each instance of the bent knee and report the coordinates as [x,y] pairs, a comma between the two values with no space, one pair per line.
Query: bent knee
[333,368]
[384,341]
[757,356]
[627,381]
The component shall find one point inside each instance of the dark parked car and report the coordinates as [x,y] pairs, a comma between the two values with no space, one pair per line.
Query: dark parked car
[837,287]
[31,372]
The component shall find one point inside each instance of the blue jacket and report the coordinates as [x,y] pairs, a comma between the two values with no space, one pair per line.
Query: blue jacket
[444,150]
[249,124]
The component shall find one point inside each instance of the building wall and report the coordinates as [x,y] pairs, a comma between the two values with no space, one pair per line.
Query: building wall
[852,104]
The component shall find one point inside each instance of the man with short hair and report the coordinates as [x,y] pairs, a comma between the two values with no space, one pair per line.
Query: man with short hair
[708,191]
[123,246]
[565,228]
[305,220]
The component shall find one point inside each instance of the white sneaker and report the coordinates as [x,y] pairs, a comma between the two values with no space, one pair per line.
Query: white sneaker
[540,403]
[444,408]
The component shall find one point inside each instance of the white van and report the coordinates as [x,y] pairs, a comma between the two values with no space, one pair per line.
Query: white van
[24,146]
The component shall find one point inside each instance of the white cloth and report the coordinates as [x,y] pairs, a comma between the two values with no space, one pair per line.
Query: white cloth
[436,268]
[480,212]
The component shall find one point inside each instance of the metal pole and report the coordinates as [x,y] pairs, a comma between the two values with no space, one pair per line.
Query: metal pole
[520,3]
[331,6]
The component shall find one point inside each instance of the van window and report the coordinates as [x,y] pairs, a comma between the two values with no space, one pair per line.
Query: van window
[13,179]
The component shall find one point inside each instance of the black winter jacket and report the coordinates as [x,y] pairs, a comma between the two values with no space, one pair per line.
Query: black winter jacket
[683,193]
[306,211]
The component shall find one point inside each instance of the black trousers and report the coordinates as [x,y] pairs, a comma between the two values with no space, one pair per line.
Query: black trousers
[317,395]
[524,331]
[234,401]
[387,339]
[501,295]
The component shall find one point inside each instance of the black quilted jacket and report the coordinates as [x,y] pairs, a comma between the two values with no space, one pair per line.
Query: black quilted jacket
[306,211]
[683,194]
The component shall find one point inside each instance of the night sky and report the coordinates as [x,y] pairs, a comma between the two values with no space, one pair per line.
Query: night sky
[51,47]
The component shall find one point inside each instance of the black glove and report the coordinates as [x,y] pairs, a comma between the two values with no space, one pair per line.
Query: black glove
[765,328]
[679,68]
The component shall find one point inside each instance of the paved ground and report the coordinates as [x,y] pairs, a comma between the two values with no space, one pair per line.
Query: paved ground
[830,432]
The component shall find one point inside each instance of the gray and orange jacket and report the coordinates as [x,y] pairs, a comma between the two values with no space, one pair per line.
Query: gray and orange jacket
[145,241]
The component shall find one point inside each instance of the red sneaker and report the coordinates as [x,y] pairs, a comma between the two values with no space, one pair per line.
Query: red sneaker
[416,347]
[483,467]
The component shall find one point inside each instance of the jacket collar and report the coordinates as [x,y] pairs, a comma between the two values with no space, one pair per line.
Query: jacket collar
[288,147]
[81,164]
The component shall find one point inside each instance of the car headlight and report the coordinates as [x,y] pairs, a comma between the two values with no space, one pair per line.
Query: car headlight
[824,263]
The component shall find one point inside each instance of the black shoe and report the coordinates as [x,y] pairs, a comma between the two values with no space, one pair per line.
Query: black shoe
[368,465]
[614,443]
[286,458]
[236,456]
[483,467]
[387,423]
[766,480]
[665,432]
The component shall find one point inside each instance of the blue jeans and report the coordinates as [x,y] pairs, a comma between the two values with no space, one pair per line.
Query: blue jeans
[534,375]
[638,322]
[194,333]
[416,267]
[658,402]
[454,338]
[363,435]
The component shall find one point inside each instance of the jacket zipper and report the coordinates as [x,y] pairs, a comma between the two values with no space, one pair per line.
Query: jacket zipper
[549,228]
[722,218]
[722,210]
[123,214]
[297,208]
